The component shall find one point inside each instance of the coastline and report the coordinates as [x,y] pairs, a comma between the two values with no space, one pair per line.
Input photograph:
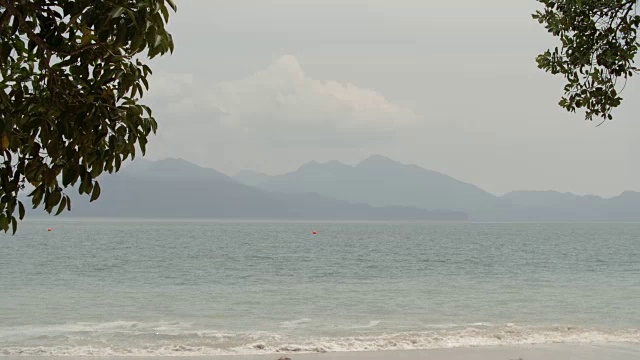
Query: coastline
[532,352]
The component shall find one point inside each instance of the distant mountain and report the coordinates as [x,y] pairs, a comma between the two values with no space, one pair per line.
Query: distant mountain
[550,199]
[378,188]
[172,169]
[625,206]
[556,206]
[381,181]
[179,189]
[251,178]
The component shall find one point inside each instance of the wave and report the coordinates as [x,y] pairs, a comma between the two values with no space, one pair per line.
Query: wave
[295,323]
[371,324]
[129,327]
[176,339]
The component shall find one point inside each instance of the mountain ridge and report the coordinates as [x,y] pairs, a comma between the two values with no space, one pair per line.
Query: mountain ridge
[176,188]
[382,181]
[180,189]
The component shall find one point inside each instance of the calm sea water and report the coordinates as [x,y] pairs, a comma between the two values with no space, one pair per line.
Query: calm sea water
[190,288]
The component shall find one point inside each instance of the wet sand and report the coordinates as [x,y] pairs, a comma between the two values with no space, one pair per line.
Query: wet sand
[536,352]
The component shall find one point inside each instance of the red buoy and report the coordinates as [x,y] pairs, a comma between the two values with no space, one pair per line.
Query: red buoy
[314,233]
[49,229]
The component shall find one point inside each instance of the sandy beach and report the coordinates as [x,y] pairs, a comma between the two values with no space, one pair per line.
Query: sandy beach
[546,352]
[538,352]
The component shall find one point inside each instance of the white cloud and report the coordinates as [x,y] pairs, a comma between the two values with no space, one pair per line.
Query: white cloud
[282,103]
[174,93]
[166,85]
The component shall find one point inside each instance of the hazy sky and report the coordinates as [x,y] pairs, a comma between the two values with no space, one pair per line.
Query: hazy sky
[448,85]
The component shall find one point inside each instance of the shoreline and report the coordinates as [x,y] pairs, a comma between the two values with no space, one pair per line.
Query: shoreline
[523,352]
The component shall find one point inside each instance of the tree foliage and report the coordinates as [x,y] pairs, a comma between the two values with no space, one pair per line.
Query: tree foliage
[599,43]
[71,80]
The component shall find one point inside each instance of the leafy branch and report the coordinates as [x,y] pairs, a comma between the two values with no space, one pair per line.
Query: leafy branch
[599,44]
[70,89]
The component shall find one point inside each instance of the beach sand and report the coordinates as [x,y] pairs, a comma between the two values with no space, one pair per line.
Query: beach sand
[534,352]
[546,352]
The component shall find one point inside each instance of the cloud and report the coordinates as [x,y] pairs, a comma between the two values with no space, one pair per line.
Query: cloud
[168,85]
[282,103]
[174,93]
[272,121]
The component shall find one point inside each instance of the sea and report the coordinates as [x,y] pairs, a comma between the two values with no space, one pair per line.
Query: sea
[104,287]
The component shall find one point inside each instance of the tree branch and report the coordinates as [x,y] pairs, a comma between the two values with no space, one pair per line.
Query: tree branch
[30,34]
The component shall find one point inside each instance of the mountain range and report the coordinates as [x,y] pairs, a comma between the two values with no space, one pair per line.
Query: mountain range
[377,188]
[381,181]
[175,188]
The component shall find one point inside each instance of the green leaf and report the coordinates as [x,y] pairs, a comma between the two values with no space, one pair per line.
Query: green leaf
[52,200]
[116,12]
[96,171]
[36,196]
[118,163]
[165,12]
[96,192]
[21,210]
[173,5]
[62,206]
[81,188]
[14,224]
[69,176]
[3,223]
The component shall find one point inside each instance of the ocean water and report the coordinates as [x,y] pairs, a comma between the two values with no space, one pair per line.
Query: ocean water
[113,287]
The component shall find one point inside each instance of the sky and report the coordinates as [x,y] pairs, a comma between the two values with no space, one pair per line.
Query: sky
[451,86]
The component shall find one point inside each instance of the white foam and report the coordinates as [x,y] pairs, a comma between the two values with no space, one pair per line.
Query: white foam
[469,337]
[129,327]
[441,326]
[295,323]
[266,343]
[483,324]
[371,324]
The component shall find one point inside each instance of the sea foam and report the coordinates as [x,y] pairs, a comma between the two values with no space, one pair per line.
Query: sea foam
[229,343]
